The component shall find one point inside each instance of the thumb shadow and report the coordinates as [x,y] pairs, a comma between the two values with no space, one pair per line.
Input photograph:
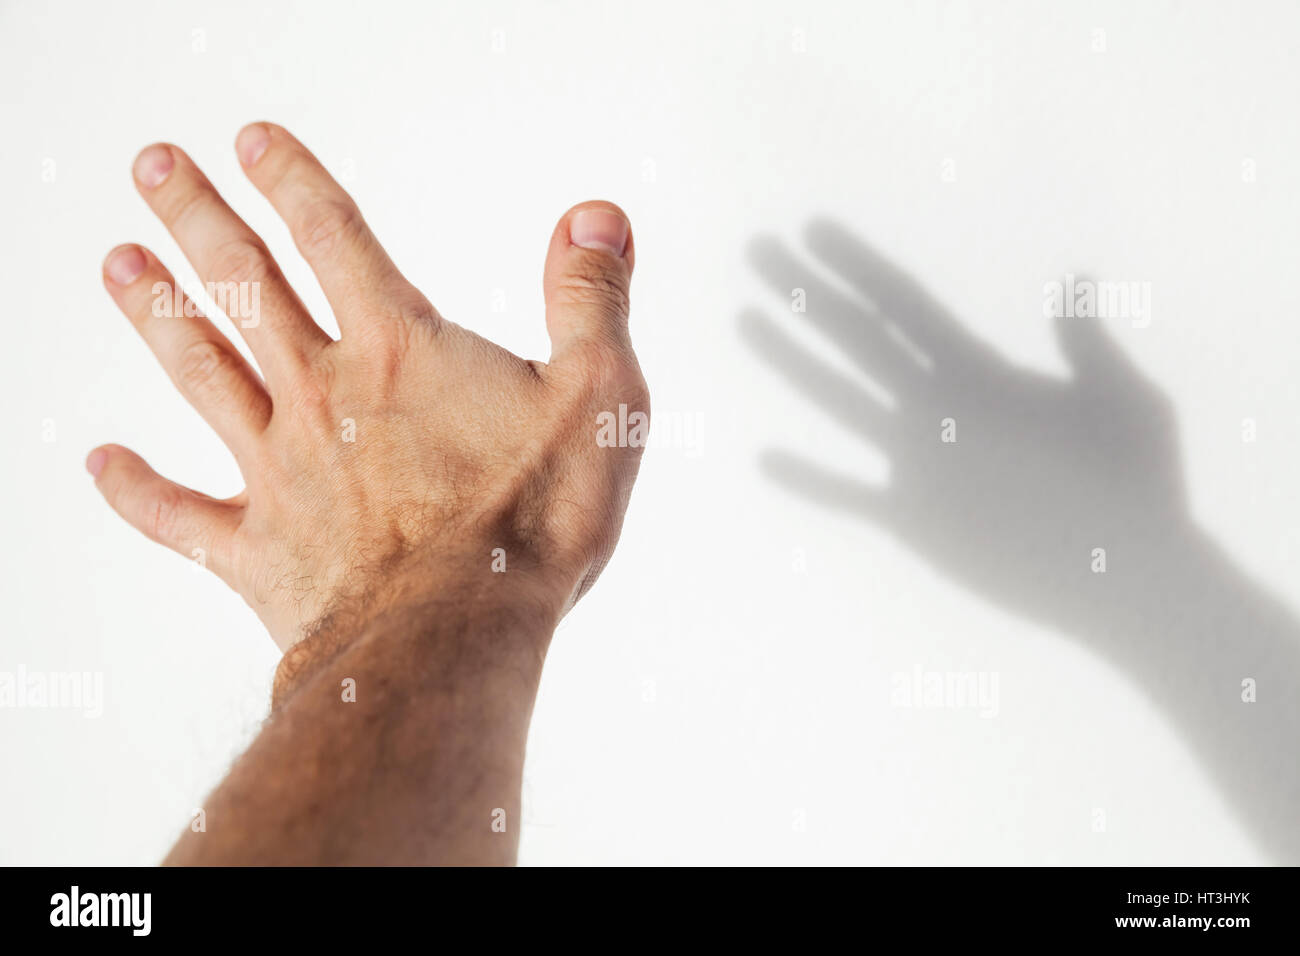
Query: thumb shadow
[1059,499]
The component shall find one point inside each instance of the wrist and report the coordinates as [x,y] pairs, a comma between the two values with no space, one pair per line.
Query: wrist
[1183,603]
[457,610]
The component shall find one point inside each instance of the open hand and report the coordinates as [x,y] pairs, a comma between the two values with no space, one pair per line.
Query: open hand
[409,455]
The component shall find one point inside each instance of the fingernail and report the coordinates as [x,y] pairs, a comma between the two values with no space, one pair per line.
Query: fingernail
[153,165]
[95,462]
[124,265]
[251,143]
[599,229]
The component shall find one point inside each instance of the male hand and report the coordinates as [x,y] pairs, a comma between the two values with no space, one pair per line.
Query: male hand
[394,462]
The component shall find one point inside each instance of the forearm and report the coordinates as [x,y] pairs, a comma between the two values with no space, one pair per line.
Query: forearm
[1221,656]
[404,745]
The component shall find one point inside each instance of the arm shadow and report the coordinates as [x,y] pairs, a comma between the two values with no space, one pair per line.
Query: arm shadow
[1059,499]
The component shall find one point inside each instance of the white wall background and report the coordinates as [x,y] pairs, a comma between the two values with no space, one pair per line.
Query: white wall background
[709,701]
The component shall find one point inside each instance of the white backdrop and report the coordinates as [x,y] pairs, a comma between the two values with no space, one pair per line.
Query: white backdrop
[728,692]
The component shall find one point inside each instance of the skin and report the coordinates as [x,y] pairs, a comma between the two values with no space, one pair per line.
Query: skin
[387,473]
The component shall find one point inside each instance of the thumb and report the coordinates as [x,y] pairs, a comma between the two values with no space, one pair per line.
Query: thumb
[1090,349]
[1093,353]
[588,271]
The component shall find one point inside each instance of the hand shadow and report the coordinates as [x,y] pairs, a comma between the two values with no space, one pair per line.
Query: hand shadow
[1010,481]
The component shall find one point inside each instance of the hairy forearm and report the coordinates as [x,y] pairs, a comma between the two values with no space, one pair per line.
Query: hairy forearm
[402,745]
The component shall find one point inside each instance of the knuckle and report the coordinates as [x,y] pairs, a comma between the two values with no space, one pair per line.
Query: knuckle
[240,260]
[186,203]
[636,395]
[414,309]
[203,367]
[595,286]
[313,390]
[409,325]
[611,373]
[326,225]
[162,514]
